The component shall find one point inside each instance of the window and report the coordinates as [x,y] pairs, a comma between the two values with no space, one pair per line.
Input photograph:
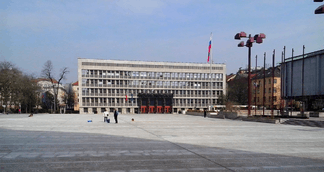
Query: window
[275,81]
[269,90]
[274,98]
[85,72]
[85,110]
[269,81]
[274,90]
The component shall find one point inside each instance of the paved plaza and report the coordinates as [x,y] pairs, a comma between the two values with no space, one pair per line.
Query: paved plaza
[155,142]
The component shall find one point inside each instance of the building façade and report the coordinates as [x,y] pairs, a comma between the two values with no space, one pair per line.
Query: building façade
[148,87]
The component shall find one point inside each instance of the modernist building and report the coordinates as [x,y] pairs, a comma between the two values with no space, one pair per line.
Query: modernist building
[148,87]
[302,79]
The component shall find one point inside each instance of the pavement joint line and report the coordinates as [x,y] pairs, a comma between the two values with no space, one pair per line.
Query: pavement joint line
[91,161]
[183,148]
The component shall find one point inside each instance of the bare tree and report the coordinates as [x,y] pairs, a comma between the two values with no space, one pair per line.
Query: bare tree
[9,83]
[69,97]
[16,89]
[48,73]
[30,92]
[237,92]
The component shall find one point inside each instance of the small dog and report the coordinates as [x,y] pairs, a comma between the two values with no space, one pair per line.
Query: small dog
[31,115]
[132,119]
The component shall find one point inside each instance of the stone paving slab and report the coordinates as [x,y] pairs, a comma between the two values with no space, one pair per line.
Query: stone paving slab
[155,142]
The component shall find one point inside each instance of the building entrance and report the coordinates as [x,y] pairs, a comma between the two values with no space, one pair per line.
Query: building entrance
[155,103]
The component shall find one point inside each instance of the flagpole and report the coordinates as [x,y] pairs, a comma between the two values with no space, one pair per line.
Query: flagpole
[211,61]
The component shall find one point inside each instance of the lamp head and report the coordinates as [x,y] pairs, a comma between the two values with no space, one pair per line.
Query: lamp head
[240,35]
[241,44]
[237,36]
[319,10]
[259,40]
[262,35]
[243,35]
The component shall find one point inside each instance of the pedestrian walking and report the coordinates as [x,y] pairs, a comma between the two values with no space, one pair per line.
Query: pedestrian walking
[116,115]
[205,113]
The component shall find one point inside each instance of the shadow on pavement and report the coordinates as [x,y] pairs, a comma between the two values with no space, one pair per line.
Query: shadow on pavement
[22,150]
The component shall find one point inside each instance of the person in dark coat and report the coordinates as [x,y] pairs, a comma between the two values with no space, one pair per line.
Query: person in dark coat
[116,115]
[205,113]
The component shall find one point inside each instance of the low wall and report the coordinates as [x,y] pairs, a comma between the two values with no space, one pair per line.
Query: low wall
[195,113]
[209,114]
[234,115]
[225,115]
[264,120]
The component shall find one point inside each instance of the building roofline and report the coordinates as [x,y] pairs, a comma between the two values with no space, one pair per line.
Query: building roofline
[307,55]
[113,60]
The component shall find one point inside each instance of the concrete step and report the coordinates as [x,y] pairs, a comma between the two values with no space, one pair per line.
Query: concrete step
[301,122]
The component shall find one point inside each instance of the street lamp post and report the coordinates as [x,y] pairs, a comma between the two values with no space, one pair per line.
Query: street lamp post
[259,39]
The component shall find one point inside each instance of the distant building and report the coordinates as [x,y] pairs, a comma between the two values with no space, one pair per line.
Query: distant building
[47,86]
[75,88]
[148,87]
[258,86]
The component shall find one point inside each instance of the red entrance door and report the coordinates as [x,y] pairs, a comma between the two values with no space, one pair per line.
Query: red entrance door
[151,109]
[159,109]
[167,109]
[143,109]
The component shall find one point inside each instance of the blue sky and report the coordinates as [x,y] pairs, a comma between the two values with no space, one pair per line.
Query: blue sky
[33,32]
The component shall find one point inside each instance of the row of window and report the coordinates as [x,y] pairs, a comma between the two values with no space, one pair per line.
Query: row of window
[135,101]
[150,66]
[174,75]
[100,82]
[259,83]
[135,91]
[265,91]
